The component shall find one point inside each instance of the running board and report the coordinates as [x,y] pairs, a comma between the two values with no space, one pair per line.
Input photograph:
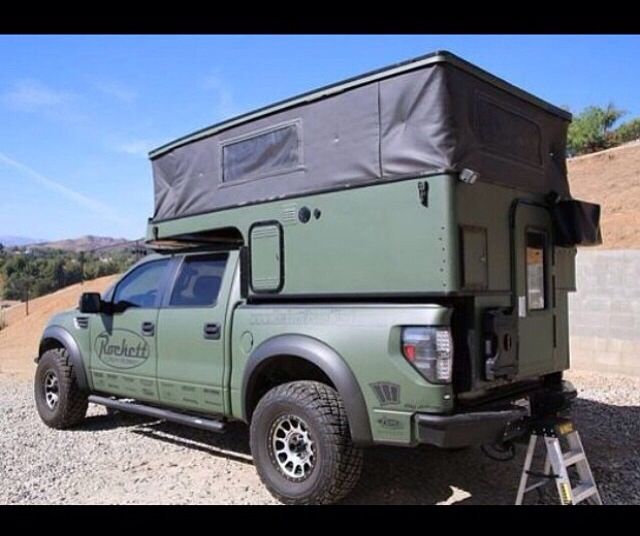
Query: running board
[211,425]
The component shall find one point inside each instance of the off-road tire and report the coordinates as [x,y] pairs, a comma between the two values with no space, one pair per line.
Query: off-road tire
[71,406]
[338,462]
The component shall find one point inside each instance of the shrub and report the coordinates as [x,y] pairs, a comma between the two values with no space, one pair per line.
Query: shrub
[629,131]
[591,131]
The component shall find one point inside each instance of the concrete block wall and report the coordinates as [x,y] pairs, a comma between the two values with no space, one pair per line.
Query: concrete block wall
[604,313]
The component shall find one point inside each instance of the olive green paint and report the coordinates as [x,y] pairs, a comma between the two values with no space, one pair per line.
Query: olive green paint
[374,239]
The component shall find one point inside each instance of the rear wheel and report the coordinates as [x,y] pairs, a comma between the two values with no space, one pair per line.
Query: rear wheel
[59,401]
[301,444]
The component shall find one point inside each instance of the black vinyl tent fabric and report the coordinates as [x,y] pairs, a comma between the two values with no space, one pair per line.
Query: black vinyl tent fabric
[438,117]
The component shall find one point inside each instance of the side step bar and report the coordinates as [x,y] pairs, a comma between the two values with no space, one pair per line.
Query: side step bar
[211,425]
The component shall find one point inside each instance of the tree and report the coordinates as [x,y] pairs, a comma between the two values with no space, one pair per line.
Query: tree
[42,271]
[19,287]
[590,130]
[629,131]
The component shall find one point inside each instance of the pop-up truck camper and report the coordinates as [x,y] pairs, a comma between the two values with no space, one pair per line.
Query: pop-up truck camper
[385,260]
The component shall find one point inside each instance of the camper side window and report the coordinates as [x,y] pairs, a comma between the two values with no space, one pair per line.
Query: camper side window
[507,133]
[263,154]
[536,270]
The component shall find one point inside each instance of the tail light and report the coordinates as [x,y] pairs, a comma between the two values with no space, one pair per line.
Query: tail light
[430,350]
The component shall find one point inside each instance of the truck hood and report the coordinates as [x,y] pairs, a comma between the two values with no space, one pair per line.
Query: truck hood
[62,318]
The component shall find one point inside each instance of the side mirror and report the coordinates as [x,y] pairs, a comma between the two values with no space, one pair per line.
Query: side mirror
[90,302]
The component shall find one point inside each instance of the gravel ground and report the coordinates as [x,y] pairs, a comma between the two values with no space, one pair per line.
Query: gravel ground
[130,459]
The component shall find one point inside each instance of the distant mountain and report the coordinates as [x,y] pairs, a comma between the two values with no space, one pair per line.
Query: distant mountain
[10,240]
[84,243]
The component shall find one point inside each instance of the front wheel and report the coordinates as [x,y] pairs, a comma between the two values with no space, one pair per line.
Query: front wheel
[301,444]
[59,401]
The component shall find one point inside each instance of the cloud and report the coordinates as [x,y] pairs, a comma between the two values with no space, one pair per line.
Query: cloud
[31,95]
[137,147]
[35,97]
[80,199]
[224,105]
[117,90]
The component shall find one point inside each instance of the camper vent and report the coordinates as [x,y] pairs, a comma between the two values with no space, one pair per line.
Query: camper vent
[290,215]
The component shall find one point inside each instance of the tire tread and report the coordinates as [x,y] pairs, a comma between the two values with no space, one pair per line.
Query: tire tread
[73,406]
[347,458]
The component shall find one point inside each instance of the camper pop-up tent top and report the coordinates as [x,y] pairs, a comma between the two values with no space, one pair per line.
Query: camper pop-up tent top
[436,114]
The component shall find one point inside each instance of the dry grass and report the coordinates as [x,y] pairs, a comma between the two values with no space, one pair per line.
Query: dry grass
[612,179]
[20,338]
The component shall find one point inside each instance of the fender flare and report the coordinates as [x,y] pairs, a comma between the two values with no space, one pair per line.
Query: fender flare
[65,338]
[327,360]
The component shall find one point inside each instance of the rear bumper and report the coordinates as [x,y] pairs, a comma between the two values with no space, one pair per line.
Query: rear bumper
[466,429]
[491,425]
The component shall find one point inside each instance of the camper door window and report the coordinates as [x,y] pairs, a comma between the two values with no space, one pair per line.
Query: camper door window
[536,267]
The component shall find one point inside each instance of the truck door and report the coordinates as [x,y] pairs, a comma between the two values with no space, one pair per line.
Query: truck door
[191,333]
[123,342]
[535,291]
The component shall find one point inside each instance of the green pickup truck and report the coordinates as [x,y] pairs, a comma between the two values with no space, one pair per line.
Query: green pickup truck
[384,261]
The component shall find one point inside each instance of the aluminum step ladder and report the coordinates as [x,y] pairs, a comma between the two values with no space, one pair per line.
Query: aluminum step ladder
[557,463]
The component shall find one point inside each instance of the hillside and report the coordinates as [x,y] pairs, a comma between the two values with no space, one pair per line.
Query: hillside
[612,179]
[11,240]
[19,340]
[84,243]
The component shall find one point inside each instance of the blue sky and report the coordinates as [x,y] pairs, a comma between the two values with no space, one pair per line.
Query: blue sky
[79,113]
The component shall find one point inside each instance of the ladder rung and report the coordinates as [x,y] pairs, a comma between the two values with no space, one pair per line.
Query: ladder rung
[573,457]
[535,486]
[582,492]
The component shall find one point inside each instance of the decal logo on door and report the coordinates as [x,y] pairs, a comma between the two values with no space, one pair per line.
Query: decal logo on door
[121,348]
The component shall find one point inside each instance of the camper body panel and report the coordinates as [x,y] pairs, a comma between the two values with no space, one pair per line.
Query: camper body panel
[384,239]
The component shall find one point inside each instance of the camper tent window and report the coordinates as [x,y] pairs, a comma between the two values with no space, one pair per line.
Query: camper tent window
[264,154]
[508,133]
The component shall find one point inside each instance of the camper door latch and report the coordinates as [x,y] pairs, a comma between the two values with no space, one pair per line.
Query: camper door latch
[423,193]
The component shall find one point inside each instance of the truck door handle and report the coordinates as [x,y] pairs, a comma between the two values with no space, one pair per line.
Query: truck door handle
[211,331]
[148,328]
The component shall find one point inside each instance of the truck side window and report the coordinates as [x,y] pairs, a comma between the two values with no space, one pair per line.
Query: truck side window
[199,280]
[536,270]
[141,288]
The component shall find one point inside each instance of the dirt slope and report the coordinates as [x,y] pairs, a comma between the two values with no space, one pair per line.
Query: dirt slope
[612,179]
[19,340]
